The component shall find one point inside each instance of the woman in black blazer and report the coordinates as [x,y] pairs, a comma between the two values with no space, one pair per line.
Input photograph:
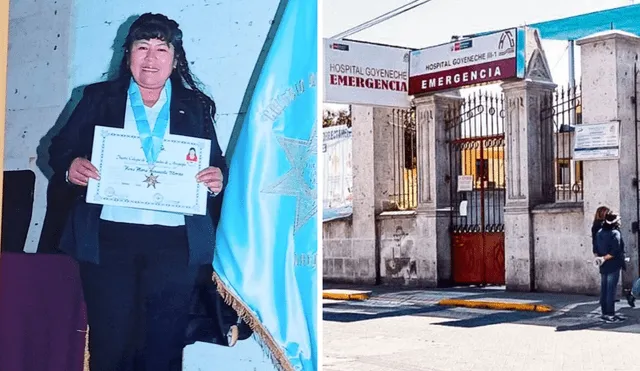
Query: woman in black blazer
[138,267]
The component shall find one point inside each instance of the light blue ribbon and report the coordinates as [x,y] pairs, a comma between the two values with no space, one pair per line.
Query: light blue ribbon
[151,141]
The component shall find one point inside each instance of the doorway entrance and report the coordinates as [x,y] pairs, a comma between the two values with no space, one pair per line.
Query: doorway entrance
[475,134]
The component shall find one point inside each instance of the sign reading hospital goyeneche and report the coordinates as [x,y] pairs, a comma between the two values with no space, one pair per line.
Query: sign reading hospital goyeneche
[366,74]
[466,62]
[597,141]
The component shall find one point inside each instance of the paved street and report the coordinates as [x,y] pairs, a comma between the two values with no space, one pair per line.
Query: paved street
[407,331]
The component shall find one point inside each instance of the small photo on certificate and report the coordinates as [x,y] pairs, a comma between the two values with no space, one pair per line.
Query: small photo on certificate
[126,179]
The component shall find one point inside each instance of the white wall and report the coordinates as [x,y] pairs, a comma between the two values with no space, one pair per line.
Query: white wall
[37,86]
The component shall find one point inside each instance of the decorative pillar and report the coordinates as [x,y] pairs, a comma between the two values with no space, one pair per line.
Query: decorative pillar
[434,203]
[372,156]
[607,63]
[528,147]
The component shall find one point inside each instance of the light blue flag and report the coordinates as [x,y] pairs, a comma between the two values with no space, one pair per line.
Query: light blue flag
[265,256]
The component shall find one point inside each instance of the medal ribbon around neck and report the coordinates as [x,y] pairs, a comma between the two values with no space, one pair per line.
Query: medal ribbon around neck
[151,141]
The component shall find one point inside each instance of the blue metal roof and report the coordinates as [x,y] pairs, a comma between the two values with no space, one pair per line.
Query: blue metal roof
[626,18]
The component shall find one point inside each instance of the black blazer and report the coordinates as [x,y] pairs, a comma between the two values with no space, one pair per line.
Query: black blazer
[105,104]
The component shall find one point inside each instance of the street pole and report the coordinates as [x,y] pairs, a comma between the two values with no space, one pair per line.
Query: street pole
[572,65]
[572,80]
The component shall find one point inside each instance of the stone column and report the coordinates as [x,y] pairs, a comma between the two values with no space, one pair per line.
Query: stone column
[607,62]
[528,147]
[434,201]
[372,154]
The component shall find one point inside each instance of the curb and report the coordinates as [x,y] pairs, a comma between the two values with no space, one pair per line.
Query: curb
[496,305]
[345,295]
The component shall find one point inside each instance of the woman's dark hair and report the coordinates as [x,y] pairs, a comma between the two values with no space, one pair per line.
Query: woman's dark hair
[158,26]
[601,214]
[192,149]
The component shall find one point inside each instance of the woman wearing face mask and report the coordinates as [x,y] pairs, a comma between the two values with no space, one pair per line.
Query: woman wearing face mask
[138,267]
[610,252]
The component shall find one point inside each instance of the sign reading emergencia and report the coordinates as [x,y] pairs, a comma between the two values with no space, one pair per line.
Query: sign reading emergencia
[357,72]
[487,58]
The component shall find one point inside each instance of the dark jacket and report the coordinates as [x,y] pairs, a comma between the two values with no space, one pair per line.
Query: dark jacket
[594,234]
[609,241]
[104,104]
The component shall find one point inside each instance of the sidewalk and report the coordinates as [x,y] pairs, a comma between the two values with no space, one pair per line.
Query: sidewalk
[560,303]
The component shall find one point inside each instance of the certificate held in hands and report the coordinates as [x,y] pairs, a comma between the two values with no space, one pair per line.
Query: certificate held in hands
[127,179]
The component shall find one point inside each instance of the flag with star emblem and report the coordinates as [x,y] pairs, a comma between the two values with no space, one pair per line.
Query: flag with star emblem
[265,255]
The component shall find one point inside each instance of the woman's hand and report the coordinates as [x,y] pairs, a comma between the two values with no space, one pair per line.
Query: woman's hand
[608,257]
[81,170]
[212,178]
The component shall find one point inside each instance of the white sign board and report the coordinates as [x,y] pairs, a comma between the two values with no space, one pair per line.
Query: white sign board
[466,62]
[465,183]
[597,141]
[365,74]
[464,208]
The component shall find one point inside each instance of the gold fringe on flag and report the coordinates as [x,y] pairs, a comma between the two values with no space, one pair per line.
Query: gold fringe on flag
[266,341]
[86,350]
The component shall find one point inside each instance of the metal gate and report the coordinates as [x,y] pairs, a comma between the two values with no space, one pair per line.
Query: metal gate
[475,133]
